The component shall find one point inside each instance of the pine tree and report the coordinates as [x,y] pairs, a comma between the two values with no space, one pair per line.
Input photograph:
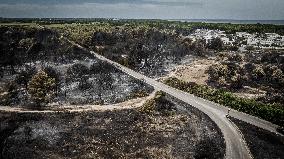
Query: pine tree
[42,88]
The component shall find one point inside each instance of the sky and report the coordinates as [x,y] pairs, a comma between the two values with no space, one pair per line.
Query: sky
[145,9]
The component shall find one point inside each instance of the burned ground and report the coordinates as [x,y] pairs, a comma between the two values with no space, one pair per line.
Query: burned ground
[78,82]
[262,143]
[111,134]
[80,78]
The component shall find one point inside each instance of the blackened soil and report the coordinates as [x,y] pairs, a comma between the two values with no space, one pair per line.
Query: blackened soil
[109,134]
[262,143]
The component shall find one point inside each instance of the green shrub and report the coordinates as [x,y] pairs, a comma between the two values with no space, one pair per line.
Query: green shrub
[148,107]
[53,73]
[236,57]
[258,73]
[42,88]
[217,71]
[158,104]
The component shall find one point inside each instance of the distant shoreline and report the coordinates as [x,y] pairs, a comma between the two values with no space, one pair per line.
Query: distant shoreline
[229,21]
[275,22]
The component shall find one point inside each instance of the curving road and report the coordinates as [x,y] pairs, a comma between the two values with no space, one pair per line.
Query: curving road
[236,147]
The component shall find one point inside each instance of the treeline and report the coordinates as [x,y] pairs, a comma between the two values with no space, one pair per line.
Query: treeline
[270,112]
[182,27]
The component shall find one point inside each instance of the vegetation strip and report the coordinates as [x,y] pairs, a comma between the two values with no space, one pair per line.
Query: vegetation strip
[267,112]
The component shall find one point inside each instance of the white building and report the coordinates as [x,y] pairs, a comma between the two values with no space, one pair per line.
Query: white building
[207,34]
[253,41]
[244,35]
[227,41]
[279,41]
[272,35]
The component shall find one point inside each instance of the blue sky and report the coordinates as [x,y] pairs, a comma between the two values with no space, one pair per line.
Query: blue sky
[160,9]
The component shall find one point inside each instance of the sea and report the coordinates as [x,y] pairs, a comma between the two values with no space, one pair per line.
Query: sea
[275,22]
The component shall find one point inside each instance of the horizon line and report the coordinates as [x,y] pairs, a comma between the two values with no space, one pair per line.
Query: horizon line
[140,18]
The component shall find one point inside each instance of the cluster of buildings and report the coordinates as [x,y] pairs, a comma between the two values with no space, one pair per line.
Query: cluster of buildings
[239,38]
[209,35]
[267,39]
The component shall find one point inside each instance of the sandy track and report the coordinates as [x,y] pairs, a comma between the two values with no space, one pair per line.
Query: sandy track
[130,104]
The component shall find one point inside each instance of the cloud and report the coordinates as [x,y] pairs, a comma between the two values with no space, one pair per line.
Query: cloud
[173,2]
[153,9]
[119,10]
[154,2]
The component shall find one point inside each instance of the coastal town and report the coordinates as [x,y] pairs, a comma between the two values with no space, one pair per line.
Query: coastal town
[241,39]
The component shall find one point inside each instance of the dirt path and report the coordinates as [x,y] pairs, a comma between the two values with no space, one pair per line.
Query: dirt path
[130,104]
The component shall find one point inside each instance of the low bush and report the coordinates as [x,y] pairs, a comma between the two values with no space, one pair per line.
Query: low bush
[158,104]
[53,73]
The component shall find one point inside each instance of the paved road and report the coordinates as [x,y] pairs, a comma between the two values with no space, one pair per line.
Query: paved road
[236,147]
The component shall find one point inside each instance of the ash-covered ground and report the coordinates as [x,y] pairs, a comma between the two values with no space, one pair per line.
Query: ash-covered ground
[79,77]
[262,143]
[88,81]
[130,133]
